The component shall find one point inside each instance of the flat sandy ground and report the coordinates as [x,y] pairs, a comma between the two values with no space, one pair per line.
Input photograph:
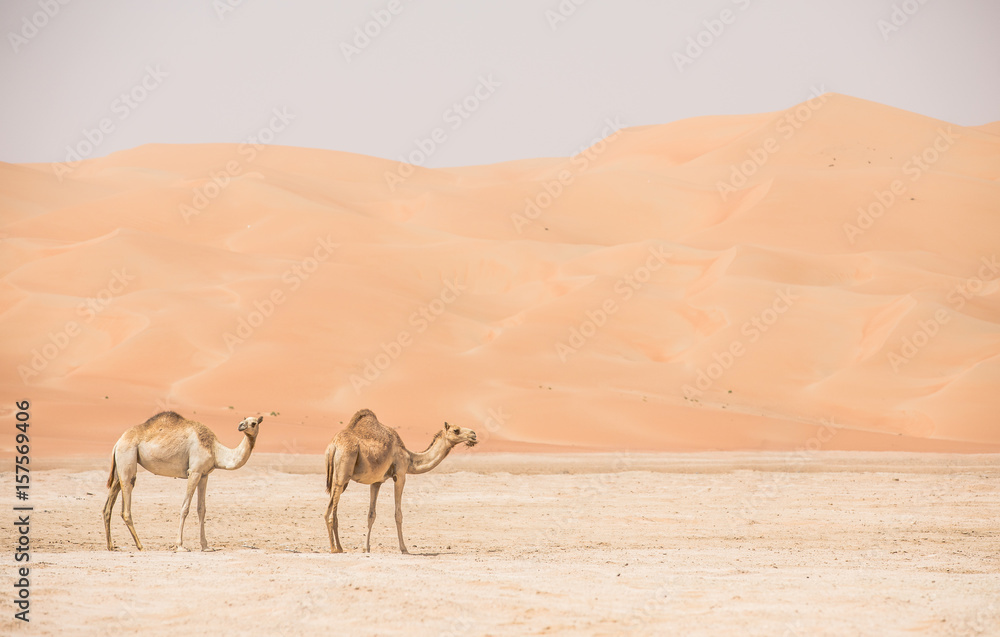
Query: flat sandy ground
[696,544]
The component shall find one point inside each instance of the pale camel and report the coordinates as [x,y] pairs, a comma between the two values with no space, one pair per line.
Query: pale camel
[368,452]
[169,445]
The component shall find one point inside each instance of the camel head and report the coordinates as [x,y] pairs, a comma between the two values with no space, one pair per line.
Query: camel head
[457,435]
[249,425]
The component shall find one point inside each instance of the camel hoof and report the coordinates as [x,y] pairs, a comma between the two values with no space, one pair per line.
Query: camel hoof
[208,549]
[181,549]
[336,550]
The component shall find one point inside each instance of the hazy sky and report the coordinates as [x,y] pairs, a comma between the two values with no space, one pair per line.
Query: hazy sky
[537,78]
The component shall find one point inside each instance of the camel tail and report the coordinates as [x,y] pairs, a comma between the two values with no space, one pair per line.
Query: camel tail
[114,469]
[330,454]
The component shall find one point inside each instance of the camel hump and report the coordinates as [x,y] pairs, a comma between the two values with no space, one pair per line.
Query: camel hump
[165,417]
[361,415]
[365,433]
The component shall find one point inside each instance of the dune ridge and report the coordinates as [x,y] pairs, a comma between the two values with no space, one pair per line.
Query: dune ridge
[822,277]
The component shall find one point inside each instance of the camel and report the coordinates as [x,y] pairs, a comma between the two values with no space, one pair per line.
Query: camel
[169,445]
[368,452]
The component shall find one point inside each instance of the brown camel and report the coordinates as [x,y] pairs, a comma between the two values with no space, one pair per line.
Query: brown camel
[368,452]
[169,445]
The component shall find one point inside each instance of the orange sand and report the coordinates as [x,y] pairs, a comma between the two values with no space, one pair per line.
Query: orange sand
[705,284]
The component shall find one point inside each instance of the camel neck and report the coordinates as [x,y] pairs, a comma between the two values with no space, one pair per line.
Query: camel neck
[230,459]
[432,457]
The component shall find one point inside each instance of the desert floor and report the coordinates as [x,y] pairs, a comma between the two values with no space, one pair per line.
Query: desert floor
[829,543]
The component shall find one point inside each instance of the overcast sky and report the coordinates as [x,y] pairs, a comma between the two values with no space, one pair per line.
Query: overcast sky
[537,77]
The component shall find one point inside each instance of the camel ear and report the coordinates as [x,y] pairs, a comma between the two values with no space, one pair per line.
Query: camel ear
[447,426]
[260,419]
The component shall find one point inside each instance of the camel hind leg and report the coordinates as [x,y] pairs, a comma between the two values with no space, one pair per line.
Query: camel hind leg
[339,470]
[127,461]
[114,488]
[331,518]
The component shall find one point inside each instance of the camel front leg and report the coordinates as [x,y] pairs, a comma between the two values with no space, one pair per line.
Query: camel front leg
[331,518]
[202,487]
[109,506]
[398,492]
[193,479]
[371,515]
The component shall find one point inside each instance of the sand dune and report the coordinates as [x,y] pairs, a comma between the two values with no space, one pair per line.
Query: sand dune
[826,276]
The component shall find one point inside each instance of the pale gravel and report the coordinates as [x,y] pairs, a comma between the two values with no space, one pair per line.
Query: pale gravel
[504,544]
